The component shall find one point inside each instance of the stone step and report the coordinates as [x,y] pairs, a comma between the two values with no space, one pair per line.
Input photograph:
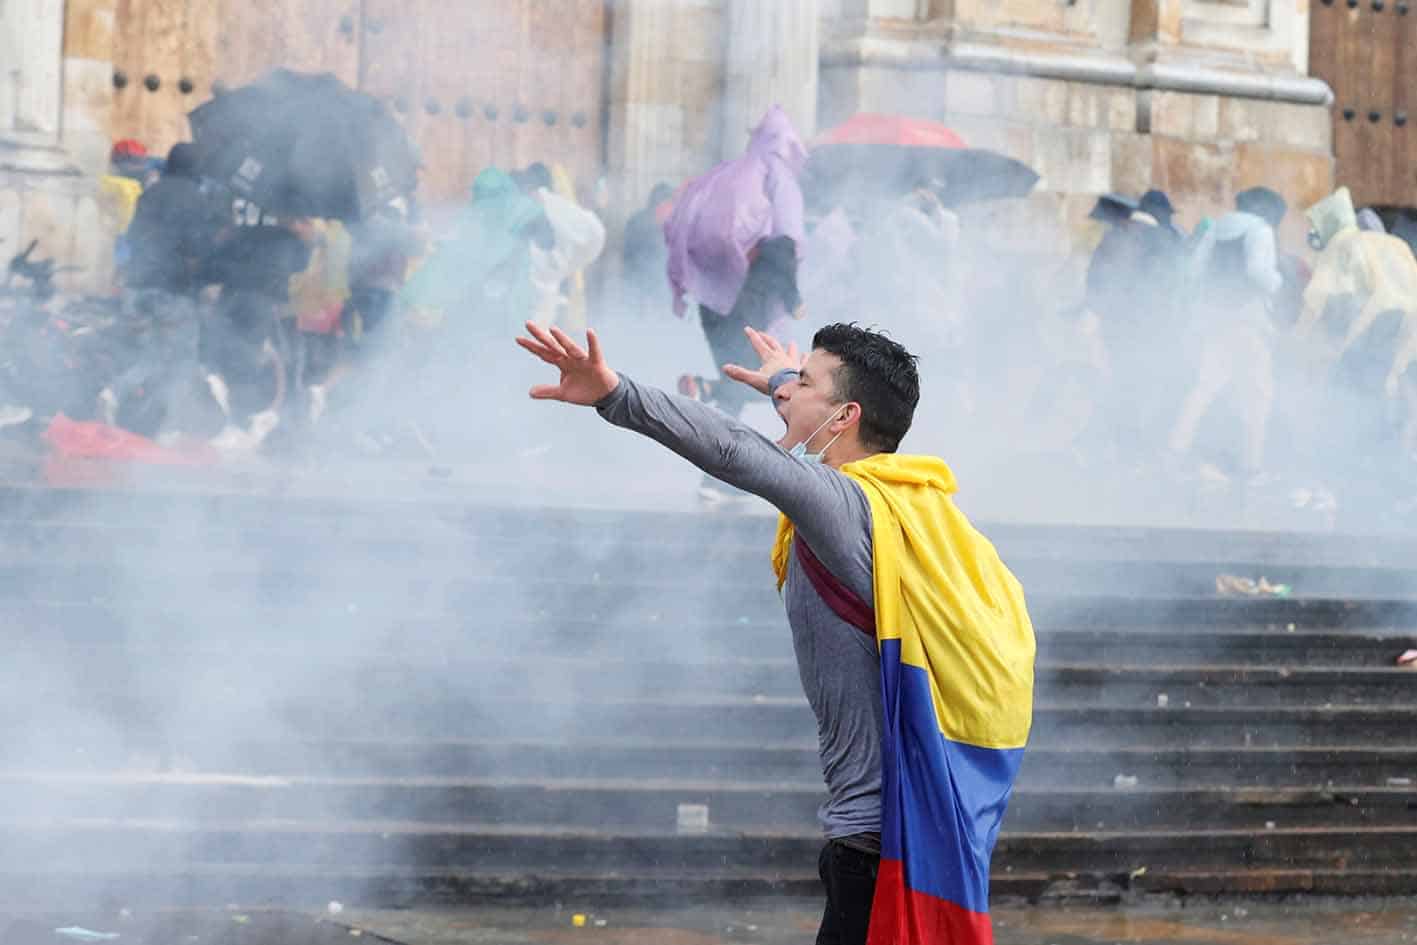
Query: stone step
[1199,646]
[648,804]
[434,674]
[361,636]
[310,888]
[319,557]
[1063,765]
[156,723]
[779,718]
[102,844]
[357,616]
[41,517]
[329,639]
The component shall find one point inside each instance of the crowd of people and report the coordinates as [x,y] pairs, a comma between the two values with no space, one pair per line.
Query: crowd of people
[1211,354]
[229,323]
[1211,357]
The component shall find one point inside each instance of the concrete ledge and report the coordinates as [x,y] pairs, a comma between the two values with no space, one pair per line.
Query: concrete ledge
[1089,67]
[40,156]
[1294,90]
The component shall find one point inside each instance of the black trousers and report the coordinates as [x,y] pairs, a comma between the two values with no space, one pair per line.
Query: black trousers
[729,345]
[850,878]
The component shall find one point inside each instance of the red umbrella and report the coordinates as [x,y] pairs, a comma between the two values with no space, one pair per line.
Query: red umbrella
[899,153]
[898,130]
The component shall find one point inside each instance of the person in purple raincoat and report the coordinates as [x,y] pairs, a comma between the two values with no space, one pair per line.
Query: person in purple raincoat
[734,238]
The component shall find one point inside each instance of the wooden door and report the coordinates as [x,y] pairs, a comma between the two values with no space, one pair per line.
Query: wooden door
[253,37]
[503,84]
[476,84]
[1364,50]
[168,54]
[159,73]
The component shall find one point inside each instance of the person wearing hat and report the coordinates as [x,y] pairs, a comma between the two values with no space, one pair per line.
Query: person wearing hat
[1263,202]
[173,233]
[119,190]
[1126,292]
[1155,204]
[129,158]
[1112,271]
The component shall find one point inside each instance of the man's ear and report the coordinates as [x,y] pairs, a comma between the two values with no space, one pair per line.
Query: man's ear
[849,416]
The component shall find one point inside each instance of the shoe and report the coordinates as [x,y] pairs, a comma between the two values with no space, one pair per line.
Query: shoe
[220,393]
[108,407]
[235,439]
[697,388]
[691,386]
[262,424]
[319,401]
[12,415]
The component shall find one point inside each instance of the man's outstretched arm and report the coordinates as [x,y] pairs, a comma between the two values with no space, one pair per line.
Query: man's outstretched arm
[810,495]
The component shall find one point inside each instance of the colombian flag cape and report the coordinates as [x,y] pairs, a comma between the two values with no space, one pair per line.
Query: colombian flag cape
[957,654]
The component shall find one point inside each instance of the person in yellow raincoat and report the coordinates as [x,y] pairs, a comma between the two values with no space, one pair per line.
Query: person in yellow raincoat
[129,168]
[1360,316]
[1362,298]
[319,292]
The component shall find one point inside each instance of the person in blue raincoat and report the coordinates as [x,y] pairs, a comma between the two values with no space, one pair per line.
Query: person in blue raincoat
[482,272]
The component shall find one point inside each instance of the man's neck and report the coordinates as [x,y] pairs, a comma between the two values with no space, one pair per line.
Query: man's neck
[842,455]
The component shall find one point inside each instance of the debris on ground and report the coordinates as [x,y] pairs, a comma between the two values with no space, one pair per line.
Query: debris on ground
[79,934]
[693,818]
[1230,585]
[1125,781]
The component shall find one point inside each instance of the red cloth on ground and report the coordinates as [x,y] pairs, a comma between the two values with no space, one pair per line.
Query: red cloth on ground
[75,439]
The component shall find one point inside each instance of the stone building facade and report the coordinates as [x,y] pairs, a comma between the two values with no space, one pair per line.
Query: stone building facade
[54,131]
[1201,98]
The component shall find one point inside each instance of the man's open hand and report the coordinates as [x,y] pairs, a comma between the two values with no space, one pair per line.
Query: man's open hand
[774,357]
[585,377]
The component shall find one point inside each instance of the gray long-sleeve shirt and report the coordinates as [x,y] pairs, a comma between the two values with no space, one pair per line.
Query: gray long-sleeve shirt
[838,664]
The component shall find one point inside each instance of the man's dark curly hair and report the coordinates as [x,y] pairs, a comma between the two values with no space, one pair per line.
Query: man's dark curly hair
[877,373]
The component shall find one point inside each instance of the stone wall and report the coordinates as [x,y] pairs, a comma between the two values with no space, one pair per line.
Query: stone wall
[49,162]
[1103,95]
[62,212]
[666,82]
[1207,148]
[1199,97]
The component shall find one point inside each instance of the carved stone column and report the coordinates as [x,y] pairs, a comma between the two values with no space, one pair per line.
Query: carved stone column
[772,57]
[31,41]
[666,78]
[56,98]
[88,81]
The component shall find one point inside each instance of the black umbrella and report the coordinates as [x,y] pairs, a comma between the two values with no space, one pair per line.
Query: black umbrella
[296,144]
[958,177]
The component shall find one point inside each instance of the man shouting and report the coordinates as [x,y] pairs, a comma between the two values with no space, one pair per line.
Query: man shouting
[912,638]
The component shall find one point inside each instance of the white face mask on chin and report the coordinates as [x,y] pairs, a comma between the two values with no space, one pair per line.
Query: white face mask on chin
[800,450]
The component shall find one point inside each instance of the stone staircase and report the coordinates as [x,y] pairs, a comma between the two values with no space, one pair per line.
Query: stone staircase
[209,699]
